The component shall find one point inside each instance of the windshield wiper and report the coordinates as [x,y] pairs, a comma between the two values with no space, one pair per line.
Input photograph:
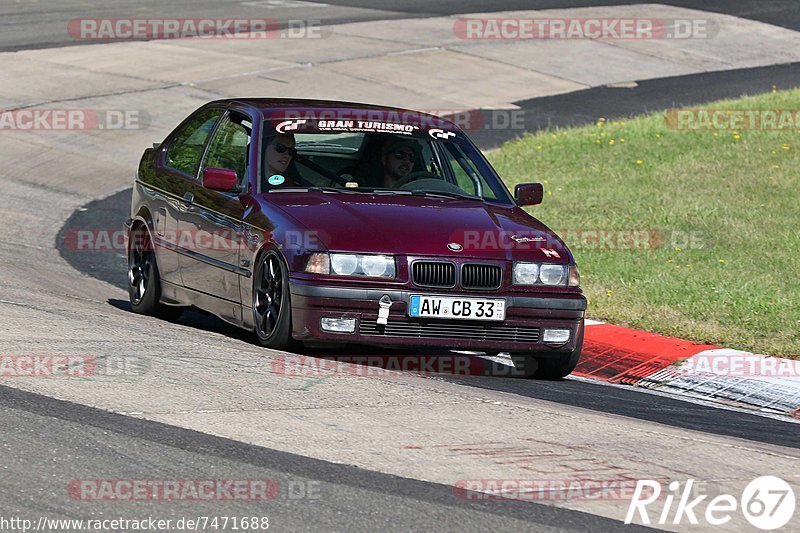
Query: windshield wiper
[379,190]
[447,194]
[314,188]
[305,188]
[420,192]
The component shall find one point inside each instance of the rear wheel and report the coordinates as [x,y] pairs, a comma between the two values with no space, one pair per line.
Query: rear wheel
[144,282]
[272,309]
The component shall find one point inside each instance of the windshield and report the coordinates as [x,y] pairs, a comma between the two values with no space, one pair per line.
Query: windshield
[385,162]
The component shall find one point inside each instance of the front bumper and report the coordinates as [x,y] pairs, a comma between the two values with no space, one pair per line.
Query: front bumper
[521,331]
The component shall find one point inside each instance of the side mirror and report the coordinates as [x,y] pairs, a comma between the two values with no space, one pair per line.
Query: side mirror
[219,179]
[528,194]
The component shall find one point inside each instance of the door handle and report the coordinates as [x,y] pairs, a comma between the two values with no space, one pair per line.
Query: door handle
[188,198]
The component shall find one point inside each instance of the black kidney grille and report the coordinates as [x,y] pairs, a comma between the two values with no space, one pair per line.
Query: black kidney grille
[433,274]
[481,276]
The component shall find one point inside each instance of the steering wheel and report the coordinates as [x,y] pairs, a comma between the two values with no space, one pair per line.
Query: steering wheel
[414,176]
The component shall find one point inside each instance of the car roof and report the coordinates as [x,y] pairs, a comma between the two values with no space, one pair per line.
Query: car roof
[302,105]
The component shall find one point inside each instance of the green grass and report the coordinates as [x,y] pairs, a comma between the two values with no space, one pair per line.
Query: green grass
[736,192]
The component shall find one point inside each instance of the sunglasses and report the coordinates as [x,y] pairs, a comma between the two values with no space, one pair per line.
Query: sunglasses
[282,149]
[402,156]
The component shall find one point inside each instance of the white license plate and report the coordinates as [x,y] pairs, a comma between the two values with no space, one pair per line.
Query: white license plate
[456,308]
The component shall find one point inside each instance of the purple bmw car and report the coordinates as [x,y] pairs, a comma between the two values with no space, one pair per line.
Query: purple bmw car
[324,223]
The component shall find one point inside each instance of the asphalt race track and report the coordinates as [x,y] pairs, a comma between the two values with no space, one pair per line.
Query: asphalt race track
[40,24]
[345,497]
[365,454]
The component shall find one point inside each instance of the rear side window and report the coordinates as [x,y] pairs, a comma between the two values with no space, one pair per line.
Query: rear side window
[186,149]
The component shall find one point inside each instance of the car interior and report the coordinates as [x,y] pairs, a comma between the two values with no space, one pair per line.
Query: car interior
[354,161]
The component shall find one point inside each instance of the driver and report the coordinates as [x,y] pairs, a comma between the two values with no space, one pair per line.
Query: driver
[398,155]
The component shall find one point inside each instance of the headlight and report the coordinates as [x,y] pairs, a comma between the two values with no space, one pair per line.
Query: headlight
[526,273]
[373,266]
[553,274]
[546,274]
[344,264]
[379,266]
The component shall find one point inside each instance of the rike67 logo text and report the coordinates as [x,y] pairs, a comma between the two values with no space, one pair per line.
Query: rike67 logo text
[767,502]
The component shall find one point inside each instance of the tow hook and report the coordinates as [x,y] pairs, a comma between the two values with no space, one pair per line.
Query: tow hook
[383,313]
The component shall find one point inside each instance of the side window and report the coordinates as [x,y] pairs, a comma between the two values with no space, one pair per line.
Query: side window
[428,159]
[465,172]
[186,148]
[229,146]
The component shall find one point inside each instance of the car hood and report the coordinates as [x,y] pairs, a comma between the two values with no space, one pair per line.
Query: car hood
[420,226]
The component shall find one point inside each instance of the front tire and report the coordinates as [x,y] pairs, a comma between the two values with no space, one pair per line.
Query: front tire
[272,308]
[144,281]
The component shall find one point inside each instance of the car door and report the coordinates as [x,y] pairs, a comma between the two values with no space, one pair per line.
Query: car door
[176,169]
[213,219]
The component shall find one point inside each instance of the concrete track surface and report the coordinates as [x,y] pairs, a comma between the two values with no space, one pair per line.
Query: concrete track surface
[381,452]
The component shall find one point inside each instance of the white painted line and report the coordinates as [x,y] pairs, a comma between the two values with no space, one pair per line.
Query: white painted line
[414,51]
[277,4]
